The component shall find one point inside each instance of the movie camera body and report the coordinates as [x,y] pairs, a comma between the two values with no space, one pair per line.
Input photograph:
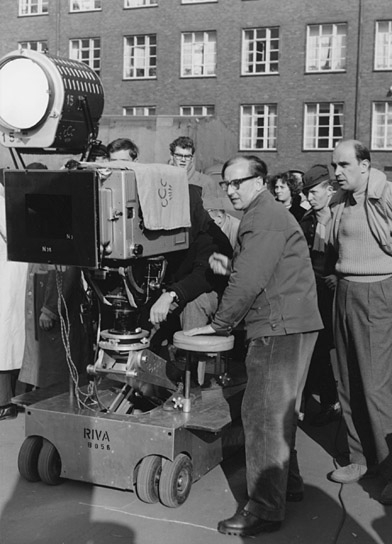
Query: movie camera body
[129,428]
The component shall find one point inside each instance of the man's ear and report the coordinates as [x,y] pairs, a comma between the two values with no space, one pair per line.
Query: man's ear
[365,165]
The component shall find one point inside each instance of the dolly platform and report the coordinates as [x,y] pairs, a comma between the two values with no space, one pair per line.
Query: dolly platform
[156,450]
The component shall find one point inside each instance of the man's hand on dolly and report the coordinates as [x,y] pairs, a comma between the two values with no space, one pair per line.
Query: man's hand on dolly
[207,329]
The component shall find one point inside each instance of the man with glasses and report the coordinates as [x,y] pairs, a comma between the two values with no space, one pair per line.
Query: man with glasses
[182,152]
[272,287]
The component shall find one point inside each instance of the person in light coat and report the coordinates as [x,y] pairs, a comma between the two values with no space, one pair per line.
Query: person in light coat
[12,322]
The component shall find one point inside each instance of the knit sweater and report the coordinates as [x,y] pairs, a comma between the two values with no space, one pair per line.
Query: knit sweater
[359,254]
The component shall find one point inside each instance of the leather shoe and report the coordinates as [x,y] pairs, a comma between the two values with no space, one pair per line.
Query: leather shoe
[244,523]
[8,412]
[349,474]
[386,494]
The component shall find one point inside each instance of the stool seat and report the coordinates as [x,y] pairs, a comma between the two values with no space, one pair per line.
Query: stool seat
[206,343]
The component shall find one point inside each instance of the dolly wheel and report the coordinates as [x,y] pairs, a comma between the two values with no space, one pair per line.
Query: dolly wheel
[176,481]
[49,464]
[28,458]
[147,481]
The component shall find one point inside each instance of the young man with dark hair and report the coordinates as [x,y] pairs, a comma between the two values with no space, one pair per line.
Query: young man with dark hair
[182,152]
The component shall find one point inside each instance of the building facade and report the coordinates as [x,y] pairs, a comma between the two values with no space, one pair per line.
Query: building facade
[289,78]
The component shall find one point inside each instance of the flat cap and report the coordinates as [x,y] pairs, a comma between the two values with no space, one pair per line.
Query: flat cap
[317,174]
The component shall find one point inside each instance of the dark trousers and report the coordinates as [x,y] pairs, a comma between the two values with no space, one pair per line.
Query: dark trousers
[363,337]
[277,367]
[321,379]
[7,386]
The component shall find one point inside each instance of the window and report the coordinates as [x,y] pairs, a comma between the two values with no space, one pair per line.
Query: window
[260,51]
[323,125]
[87,50]
[326,47]
[383,50]
[140,57]
[33,7]
[197,110]
[382,125]
[41,45]
[85,5]
[198,54]
[258,127]
[139,3]
[139,110]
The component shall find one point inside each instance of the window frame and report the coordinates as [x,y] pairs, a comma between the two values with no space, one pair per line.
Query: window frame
[27,4]
[155,5]
[246,51]
[204,54]
[332,139]
[267,114]
[90,49]
[185,2]
[39,44]
[148,114]
[388,114]
[84,10]
[377,45]
[317,51]
[193,114]
[146,67]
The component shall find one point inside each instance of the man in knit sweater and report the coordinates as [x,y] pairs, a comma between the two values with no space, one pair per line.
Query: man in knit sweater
[361,238]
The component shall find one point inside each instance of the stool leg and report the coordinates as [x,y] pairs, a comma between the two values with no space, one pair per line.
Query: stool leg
[187,386]
[218,364]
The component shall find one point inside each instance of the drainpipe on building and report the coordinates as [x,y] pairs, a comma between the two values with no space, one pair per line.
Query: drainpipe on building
[57,4]
[358,68]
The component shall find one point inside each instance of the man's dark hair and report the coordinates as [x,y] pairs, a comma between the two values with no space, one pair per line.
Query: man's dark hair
[257,167]
[36,166]
[123,143]
[362,153]
[184,142]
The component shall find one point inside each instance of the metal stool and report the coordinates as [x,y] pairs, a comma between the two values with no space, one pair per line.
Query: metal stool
[211,344]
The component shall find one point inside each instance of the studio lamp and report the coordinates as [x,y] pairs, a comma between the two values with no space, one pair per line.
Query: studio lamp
[48,102]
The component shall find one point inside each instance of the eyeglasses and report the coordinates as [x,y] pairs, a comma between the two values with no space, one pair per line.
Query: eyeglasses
[179,156]
[235,183]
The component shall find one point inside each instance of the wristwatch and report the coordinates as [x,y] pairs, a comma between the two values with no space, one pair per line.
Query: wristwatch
[174,296]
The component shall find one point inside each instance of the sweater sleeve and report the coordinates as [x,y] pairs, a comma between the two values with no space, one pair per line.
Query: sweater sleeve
[196,281]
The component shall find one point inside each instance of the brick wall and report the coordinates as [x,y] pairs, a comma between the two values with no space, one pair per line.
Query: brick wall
[290,89]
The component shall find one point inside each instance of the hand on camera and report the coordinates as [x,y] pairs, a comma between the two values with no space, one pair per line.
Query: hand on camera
[160,309]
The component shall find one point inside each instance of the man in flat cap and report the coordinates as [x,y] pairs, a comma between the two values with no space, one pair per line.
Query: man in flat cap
[316,225]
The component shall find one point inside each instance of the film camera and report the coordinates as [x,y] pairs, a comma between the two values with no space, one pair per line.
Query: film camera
[86,217]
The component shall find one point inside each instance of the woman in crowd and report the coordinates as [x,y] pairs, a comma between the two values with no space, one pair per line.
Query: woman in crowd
[286,187]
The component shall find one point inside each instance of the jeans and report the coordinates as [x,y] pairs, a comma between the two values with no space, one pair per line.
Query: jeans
[277,367]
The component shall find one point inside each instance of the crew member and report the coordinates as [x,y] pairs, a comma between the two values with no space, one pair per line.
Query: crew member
[272,286]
